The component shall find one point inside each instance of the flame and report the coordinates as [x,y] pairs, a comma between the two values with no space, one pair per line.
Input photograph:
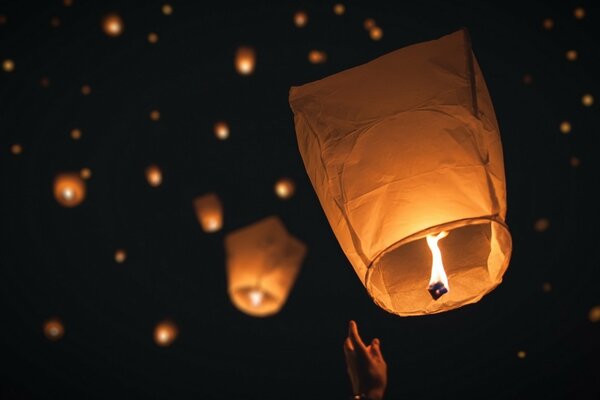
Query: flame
[256,297]
[438,284]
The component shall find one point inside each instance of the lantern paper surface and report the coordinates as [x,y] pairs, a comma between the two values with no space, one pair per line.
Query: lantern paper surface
[263,260]
[405,146]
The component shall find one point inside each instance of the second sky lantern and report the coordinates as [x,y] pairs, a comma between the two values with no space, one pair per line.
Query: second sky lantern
[405,156]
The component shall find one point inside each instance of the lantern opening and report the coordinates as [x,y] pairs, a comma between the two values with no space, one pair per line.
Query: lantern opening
[438,283]
[256,297]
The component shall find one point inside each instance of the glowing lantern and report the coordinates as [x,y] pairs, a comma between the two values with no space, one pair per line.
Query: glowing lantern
[152,37]
[155,115]
[339,9]
[120,256]
[245,58]
[16,149]
[209,212]
[571,55]
[263,260]
[285,188]
[69,189]
[317,57]
[165,333]
[112,25]
[579,12]
[369,24]
[153,175]
[565,127]
[399,150]
[85,173]
[86,90]
[376,33]
[75,134]
[221,130]
[587,100]
[8,65]
[167,9]
[300,19]
[548,23]
[54,329]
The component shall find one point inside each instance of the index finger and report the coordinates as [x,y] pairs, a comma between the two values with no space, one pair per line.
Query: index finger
[355,337]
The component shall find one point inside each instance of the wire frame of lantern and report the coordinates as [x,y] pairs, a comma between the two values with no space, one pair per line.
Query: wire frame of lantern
[404,154]
[209,212]
[263,261]
[69,189]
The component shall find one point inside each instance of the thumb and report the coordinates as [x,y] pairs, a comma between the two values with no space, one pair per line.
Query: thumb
[376,347]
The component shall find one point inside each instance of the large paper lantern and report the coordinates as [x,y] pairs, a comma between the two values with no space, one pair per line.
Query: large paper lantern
[404,154]
[263,260]
[69,189]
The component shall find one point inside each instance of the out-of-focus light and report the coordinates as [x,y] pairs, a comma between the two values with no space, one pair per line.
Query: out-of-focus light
[587,100]
[3,19]
[317,57]
[75,134]
[547,287]
[339,9]
[369,24]
[541,225]
[155,115]
[67,3]
[86,90]
[575,162]
[167,9]
[521,354]
[153,175]
[44,82]
[120,256]
[571,55]
[85,173]
[565,127]
[245,60]
[300,19]
[53,329]
[8,65]
[579,12]
[112,25]
[376,33]
[527,79]
[165,333]
[548,23]
[55,22]
[16,149]
[152,37]
[69,189]
[221,130]
[256,297]
[285,188]
[594,314]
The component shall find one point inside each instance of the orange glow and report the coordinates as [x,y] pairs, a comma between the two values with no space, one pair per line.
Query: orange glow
[575,162]
[69,189]
[285,188]
[547,287]
[85,173]
[317,57]
[154,115]
[300,19]
[527,79]
[579,12]
[339,9]
[45,82]
[594,314]
[369,24]
[245,60]
[587,100]
[120,256]
[8,65]
[548,23]
[376,33]
[165,333]
[209,212]
[571,55]
[152,37]
[3,19]
[541,225]
[167,9]
[75,134]
[16,149]
[565,127]
[67,3]
[55,22]
[153,175]
[54,329]
[221,130]
[86,89]
[521,354]
[112,25]
[438,274]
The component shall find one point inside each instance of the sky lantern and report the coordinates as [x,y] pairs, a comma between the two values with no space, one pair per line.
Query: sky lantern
[209,212]
[69,189]
[221,130]
[263,260]
[245,59]
[404,154]
[54,329]
[112,25]
[153,175]
[300,19]
[165,333]
[284,188]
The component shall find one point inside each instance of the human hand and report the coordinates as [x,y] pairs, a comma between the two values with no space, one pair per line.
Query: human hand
[366,367]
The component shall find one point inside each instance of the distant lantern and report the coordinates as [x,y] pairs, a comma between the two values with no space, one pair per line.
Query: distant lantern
[587,100]
[155,115]
[75,134]
[153,175]
[3,19]
[339,9]
[594,314]
[86,90]
[285,188]
[376,33]
[527,79]
[571,55]
[263,260]
[8,65]
[152,37]
[112,25]
[548,23]
[120,256]
[521,354]
[300,19]
[245,59]
[54,329]
[317,57]
[565,127]
[67,3]
[55,22]
[541,225]
[85,173]
[209,212]
[16,149]
[69,189]
[405,156]
[579,12]
[167,9]
[221,130]
[165,333]
[547,287]
[575,162]
[44,82]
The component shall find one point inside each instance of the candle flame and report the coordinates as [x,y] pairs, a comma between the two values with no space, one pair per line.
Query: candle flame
[256,297]
[438,284]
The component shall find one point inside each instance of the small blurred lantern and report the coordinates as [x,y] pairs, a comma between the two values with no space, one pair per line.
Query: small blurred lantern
[285,188]
[317,57]
[120,256]
[86,90]
[565,127]
[152,37]
[571,55]
[548,23]
[594,314]
[245,59]
[587,100]
[112,25]
[165,333]
[399,151]
[579,12]
[85,173]
[54,329]
[55,22]
[16,149]
[45,82]
[75,134]
[221,130]
[369,24]
[155,115]
[300,19]
[521,354]
[339,9]
[376,33]
[263,260]
[153,175]
[541,225]
[209,212]
[69,189]
[8,65]
[167,9]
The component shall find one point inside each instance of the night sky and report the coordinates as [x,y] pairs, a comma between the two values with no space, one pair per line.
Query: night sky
[73,97]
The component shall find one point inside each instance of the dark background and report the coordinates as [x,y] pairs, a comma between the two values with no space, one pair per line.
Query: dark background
[59,262]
